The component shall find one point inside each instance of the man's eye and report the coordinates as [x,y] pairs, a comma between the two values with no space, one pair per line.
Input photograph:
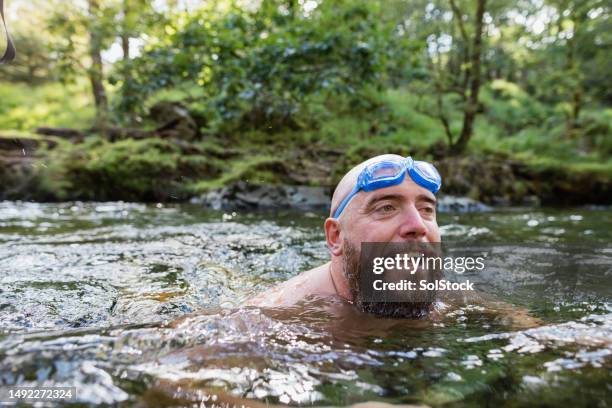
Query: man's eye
[386,208]
[428,210]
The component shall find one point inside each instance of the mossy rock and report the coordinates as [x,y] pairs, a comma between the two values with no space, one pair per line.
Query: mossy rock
[569,186]
[175,121]
[132,170]
[17,179]
[489,180]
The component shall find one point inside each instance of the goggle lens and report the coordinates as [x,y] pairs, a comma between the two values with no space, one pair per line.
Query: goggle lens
[385,170]
[428,171]
[390,173]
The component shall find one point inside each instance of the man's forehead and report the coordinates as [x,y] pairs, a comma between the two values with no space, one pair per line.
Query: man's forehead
[348,182]
[408,189]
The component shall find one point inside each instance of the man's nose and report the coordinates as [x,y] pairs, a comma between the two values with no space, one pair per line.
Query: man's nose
[412,227]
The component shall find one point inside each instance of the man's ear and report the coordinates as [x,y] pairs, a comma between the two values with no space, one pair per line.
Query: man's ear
[332,236]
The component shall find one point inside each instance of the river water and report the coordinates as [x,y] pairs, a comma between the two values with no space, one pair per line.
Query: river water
[138,304]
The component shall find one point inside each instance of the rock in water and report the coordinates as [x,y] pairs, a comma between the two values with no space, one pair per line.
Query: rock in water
[245,196]
[460,204]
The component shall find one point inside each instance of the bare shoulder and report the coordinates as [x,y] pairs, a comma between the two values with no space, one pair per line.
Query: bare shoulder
[315,281]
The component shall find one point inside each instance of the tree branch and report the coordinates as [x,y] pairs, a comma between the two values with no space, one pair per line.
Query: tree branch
[458,16]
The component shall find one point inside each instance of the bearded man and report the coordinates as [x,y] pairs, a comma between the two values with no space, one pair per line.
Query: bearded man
[386,199]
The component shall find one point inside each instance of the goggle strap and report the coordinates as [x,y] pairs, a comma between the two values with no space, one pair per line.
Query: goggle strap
[422,181]
[409,166]
[346,200]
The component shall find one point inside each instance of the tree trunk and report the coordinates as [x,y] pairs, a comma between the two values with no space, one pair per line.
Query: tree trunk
[292,6]
[96,71]
[575,90]
[125,34]
[464,47]
[125,46]
[97,86]
[471,106]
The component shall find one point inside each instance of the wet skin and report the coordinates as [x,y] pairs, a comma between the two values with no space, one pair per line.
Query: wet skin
[402,213]
[328,320]
[321,297]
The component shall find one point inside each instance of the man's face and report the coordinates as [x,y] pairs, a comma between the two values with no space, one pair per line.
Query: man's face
[402,213]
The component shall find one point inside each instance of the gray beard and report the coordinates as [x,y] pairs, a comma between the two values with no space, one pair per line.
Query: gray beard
[351,269]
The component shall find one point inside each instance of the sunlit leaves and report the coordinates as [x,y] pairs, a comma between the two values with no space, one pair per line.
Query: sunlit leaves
[257,67]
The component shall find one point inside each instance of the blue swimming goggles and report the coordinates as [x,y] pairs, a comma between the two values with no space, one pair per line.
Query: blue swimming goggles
[391,172]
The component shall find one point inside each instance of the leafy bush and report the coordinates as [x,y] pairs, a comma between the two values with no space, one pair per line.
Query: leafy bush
[256,71]
[509,106]
[126,170]
[597,128]
[23,107]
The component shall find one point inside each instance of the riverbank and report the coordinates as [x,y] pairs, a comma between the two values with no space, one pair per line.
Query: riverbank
[47,168]
[176,154]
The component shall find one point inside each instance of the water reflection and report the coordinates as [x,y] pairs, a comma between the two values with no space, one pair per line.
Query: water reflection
[304,354]
[135,303]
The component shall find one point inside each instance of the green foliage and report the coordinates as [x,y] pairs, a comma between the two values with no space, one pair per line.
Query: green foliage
[34,64]
[261,169]
[24,108]
[256,69]
[128,170]
[274,86]
[597,128]
[511,108]
[414,128]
